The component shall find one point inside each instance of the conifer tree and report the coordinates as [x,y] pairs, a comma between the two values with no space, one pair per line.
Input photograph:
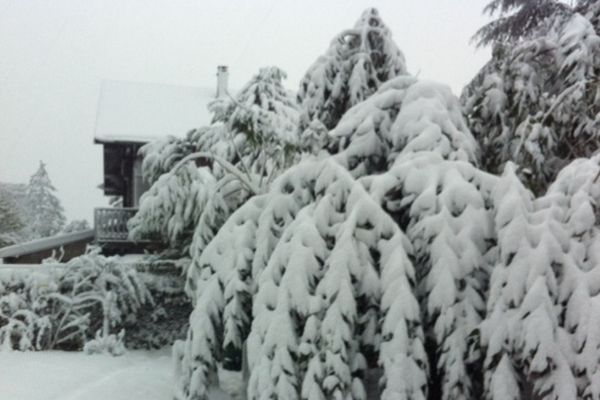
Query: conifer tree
[252,141]
[355,65]
[46,214]
[527,349]
[517,19]
[576,191]
[305,308]
[11,224]
[535,102]
[413,133]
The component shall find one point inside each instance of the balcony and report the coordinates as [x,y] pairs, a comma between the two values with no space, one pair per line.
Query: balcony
[110,224]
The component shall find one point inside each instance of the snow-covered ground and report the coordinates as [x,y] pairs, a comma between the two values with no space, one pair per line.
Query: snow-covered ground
[56,375]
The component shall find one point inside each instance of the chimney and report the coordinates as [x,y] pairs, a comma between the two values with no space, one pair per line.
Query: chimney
[222,78]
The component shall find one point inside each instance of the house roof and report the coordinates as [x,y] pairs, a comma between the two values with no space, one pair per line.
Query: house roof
[137,112]
[18,250]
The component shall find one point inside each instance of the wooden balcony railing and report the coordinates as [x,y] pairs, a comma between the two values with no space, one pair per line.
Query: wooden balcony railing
[110,224]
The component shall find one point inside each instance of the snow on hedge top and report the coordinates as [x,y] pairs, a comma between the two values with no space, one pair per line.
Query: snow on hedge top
[141,112]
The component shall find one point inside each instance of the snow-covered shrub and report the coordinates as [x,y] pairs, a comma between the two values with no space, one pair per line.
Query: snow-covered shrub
[115,288]
[20,328]
[111,344]
[34,314]
[60,307]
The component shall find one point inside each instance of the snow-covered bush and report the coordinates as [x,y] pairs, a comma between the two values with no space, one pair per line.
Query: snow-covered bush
[111,344]
[20,328]
[60,307]
[116,288]
[36,315]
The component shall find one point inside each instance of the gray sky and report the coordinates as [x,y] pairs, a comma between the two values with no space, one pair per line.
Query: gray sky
[55,54]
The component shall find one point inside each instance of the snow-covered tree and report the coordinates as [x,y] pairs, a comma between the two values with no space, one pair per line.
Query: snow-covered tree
[432,190]
[354,66]
[11,225]
[413,134]
[45,213]
[576,191]
[528,353]
[252,141]
[172,207]
[299,277]
[517,19]
[403,117]
[536,103]
[308,256]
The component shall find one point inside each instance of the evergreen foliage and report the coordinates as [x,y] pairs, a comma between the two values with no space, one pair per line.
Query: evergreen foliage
[387,255]
[45,213]
[11,225]
[517,19]
[355,65]
[535,103]
[249,145]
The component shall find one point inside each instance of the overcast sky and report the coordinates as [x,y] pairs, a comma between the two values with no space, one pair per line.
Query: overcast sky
[55,54]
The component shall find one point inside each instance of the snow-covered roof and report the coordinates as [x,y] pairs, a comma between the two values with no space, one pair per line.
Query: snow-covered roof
[20,249]
[138,112]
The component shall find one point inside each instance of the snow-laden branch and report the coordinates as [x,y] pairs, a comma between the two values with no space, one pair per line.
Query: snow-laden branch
[224,163]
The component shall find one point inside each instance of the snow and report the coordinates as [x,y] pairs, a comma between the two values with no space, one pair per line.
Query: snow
[55,241]
[78,376]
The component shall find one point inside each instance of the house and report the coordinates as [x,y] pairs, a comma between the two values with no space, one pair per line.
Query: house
[129,115]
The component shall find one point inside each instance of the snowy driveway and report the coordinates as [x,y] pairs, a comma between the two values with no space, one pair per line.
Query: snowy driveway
[55,375]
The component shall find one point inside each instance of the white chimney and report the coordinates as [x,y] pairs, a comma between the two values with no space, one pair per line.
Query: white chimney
[222,79]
